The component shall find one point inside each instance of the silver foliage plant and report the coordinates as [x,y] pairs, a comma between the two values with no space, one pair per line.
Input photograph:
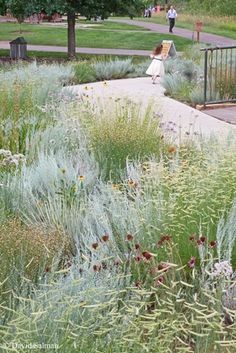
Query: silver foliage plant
[113,69]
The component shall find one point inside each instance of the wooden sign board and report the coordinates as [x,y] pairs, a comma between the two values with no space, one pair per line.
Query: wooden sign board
[168,48]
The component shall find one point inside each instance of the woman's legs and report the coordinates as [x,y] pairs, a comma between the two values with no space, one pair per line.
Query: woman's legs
[154,77]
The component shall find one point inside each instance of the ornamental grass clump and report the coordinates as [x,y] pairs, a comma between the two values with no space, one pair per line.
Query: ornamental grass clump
[177,86]
[84,72]
[99,309]
[25,94]
[127,132]
[26,254]
[113,69]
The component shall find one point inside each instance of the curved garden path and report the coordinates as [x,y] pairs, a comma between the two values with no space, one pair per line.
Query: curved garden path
[175,115]
[181,32]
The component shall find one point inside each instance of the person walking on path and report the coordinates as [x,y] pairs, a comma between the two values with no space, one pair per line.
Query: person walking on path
[171,15]
[156,68]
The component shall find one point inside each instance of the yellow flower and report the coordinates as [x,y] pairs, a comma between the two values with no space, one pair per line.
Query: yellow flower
[81,178]
[86,88]
[132,183]
[172,149]
[115,186]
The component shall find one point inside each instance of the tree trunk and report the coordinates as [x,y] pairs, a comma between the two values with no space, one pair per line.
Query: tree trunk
[71,35]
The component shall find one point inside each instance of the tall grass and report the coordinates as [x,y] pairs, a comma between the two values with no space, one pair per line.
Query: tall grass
[126,133]
[101,312]
[26,254]
[26,92]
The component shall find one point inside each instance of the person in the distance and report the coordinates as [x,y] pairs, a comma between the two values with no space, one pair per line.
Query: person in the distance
[171,16]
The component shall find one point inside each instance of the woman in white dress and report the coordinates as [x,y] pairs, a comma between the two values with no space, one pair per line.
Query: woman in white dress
[156,68]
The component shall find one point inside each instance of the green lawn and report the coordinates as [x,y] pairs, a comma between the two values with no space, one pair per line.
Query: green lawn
[49,35]
[108,25]
[58,56]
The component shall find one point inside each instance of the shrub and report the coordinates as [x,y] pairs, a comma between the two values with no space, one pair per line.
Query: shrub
[84,72]
[113,69]
[177,86]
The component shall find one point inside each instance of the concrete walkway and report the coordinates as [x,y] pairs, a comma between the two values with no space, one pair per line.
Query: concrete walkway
[227,114]
[207,38]
[177,118]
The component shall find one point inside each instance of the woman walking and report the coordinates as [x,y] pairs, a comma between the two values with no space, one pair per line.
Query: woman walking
[156,68]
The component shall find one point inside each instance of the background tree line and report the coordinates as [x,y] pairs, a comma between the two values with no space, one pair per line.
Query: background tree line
[207,7]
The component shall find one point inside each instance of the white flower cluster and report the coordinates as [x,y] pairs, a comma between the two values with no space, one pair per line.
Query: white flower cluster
[222,268]
[9,159]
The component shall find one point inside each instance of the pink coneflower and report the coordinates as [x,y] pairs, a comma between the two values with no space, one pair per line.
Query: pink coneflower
[138,258]
[105,237]
[97,268]
[129,237]
[201,240]
[117,262]
[95,246]
[137,246]
[138,284]
[147,255]
[192,262]
[104,265]
[159,281]
[212,244]
[47,269]
[164,239]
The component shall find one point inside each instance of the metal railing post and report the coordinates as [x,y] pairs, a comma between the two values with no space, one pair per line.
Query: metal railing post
[205,77]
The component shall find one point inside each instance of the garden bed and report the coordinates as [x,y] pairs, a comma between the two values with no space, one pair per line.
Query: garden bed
[113,237]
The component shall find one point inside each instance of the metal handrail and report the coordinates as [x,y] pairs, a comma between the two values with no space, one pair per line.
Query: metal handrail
[217,67]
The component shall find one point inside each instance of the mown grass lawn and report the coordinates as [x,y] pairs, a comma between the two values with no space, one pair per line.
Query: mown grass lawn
[116,26]
[58,56]
[57,35]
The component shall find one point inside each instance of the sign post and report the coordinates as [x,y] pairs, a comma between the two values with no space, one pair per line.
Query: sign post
[198,29]
[168,48]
